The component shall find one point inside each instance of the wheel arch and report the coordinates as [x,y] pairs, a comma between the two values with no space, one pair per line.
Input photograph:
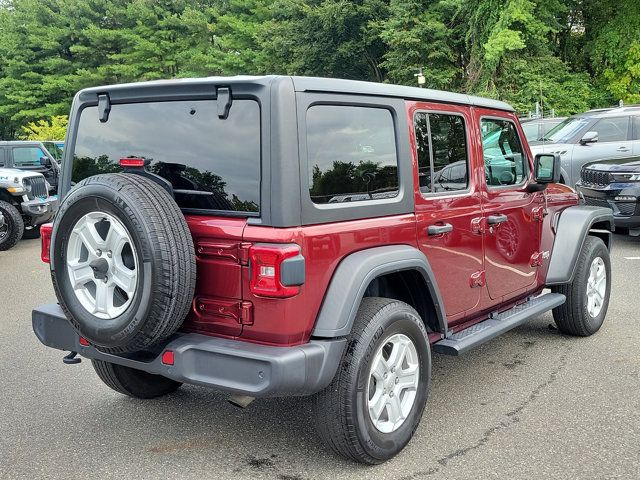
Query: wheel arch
[6,196]
[572,227]
[396,271]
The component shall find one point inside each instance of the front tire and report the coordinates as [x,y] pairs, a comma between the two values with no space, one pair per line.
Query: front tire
[12,226]
[375,402]
[132,382]
[588,294]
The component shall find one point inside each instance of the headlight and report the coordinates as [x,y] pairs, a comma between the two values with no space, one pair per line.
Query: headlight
[626,177]
[27,186]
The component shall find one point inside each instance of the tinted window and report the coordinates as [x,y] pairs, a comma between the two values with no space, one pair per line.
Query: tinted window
[532,130]
[441,144]
[213,164]
[504,159]
[1,157]
[351,154]
[612,129]
[636,128]
[27,157]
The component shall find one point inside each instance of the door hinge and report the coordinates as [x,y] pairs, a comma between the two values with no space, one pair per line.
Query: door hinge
[538,213]
[243,253]
[226,310]
[104,107]
[479,225]
[477,279]
[236,252]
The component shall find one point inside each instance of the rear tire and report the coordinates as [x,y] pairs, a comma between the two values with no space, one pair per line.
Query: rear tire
[123,262]
[132,382]
[11,232]
[580,315]
[345,411]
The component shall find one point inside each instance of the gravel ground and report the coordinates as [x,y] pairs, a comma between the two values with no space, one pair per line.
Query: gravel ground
[530,404]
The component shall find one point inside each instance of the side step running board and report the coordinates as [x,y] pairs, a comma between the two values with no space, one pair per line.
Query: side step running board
[502,322]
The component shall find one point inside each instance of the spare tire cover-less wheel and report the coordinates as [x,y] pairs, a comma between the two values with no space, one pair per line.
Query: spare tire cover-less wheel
[123,262]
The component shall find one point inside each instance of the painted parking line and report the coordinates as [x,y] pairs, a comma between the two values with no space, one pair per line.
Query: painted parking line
[632,258]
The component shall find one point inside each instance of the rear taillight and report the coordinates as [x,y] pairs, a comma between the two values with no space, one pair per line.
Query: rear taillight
[276,270]
[45,241]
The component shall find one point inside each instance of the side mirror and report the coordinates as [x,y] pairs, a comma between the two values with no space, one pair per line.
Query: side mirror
[547,168]
[45,161]
[589,137]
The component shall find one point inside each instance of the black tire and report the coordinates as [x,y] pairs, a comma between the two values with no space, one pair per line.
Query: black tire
[340,410]
[164,251]
[31,233]
[132,382]
[13,226]
[573,317]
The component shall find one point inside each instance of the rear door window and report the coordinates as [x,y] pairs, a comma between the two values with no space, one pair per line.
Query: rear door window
[612,129]
[213,164]
[351,153]
[27,157]
[441,143]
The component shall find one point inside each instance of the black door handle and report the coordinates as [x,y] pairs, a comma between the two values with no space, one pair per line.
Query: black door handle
[496,219]
[439,229]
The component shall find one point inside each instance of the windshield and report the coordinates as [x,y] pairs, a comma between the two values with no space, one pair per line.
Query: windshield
[563,132]
[54,149]
[212,163]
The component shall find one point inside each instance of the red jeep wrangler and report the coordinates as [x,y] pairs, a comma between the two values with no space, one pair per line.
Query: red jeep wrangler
[274,236]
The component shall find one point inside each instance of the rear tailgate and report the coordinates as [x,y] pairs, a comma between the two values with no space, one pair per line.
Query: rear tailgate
[217,306]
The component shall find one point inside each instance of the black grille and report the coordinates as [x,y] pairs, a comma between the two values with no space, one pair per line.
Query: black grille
[594,177]
[626,208]
[38,186]
[596,202]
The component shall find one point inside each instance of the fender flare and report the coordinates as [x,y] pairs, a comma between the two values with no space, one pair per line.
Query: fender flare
[354,274]
[572,227]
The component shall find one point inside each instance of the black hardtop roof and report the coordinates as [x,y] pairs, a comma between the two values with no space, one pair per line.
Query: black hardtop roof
[311,84]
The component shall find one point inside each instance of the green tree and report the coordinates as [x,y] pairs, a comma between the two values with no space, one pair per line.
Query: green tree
[54,128]
[419,34]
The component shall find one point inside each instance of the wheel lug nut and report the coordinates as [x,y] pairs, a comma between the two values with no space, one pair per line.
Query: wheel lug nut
[397,380]
[109,254]
[99,252]
[384,376]
[391,394]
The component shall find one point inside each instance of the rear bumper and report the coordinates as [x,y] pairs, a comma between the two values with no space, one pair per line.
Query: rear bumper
[235,366]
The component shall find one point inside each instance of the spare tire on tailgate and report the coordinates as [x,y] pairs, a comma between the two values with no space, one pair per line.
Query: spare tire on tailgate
[123,263]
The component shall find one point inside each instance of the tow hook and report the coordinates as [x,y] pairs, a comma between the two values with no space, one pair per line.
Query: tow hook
[240,401]
[71,359]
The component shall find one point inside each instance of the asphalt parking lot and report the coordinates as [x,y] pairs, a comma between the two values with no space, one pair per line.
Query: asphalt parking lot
[530,404]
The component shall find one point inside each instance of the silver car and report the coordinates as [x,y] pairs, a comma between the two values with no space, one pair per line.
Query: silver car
[593,135]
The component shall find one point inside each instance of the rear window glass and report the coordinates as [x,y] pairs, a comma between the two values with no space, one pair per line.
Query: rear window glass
[351,154]
[212,164]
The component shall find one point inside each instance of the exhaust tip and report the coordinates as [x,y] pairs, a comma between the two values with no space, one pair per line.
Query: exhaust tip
[240,401]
